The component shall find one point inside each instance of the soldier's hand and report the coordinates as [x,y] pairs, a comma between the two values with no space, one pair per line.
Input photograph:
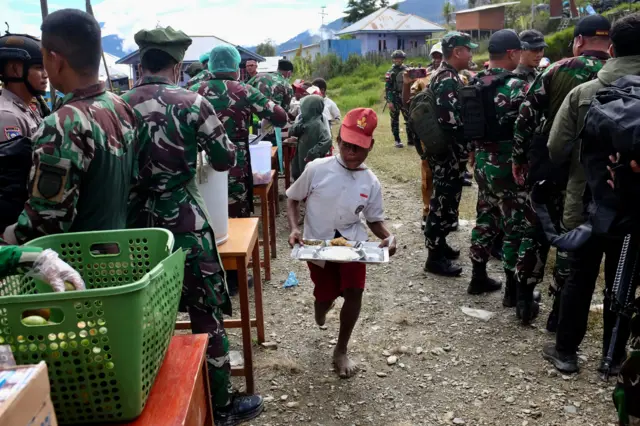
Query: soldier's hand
[520,173]
[390,106]
[635,168]
[295,238]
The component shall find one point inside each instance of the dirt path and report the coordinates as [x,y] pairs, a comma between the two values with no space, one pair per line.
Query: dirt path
[451,368]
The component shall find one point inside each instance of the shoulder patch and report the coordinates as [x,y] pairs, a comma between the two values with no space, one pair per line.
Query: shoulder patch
[11,132]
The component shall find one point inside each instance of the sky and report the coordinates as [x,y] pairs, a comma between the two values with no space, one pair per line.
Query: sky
[241,22]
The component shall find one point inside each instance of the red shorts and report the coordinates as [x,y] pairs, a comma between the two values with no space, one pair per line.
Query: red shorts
[334,278]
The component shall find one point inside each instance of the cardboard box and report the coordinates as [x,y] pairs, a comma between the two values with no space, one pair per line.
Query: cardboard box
[25,398]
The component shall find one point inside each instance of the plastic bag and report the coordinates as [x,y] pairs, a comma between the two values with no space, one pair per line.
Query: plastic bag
[49,268]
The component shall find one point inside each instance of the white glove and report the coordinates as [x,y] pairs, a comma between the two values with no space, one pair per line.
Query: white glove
[48,267]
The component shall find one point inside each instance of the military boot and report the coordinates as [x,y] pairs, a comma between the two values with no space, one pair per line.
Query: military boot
[510,298]
[437,263]
[480,281]
[449,252]
[528,306]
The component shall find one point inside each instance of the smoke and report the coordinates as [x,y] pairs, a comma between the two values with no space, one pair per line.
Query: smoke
[324,33]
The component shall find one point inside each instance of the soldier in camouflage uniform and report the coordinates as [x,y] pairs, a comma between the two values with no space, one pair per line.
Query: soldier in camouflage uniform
[446,168]
[234,103]
[84,152]
[500,200]
[276,88]
[533,46]
[202,74]
[531,161]
[176,125]
[393,96]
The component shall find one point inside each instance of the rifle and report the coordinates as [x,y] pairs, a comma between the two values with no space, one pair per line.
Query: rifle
[623,292]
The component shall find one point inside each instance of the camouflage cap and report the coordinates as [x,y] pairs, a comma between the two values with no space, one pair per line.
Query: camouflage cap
[168,40]
[457,39]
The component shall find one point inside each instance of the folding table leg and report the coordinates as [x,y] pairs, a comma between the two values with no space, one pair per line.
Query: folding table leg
[257,288]
[266,245]
[272,221]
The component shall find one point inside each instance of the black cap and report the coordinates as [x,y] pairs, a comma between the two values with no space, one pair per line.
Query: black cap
[532,39]
[591,26]
[504,40]
[284,65]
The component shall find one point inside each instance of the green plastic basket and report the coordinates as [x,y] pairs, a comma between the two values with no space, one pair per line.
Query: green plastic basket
[103,346]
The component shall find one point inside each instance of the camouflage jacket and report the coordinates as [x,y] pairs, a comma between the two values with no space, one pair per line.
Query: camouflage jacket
[83,165]
[234,103]
[546,94]
[176,124]
[393,84]
[526,73]
[508,98]
[198,78]
[274,87]
[445,86]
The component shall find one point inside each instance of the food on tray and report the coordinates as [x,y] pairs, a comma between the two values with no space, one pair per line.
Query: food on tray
[339,242]
[312,242]
[338,253]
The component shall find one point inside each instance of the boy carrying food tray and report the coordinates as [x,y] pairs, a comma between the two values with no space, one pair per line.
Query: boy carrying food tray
[337,191]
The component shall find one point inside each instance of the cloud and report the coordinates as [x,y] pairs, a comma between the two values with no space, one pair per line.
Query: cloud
[244,22]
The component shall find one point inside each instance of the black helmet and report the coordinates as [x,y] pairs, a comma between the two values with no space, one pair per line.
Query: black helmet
[20,47]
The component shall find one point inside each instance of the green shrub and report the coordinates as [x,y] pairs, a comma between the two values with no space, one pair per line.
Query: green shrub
[559,45]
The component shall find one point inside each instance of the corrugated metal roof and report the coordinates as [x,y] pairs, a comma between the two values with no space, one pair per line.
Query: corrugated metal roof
[488,6]
[303,47]
[390,20]
[200,45]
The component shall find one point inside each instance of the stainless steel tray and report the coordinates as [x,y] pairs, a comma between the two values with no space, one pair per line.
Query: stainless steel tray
[364,252]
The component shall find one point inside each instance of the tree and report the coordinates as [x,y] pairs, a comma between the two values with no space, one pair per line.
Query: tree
[358,9]
[447,11]
[266,48]
[384,3]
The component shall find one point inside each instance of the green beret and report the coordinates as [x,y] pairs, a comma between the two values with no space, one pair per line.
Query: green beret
[168,40]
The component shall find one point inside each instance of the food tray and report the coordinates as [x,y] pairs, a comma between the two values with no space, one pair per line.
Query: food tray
[364,252]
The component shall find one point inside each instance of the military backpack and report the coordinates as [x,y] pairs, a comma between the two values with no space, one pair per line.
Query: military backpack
[478,107]
[423,116]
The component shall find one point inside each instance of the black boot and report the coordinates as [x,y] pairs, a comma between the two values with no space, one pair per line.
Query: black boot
[527,308]
[242,409]
[563,362]
[449,252]
[437,263]
[510,293]
[467,182]
[480,281]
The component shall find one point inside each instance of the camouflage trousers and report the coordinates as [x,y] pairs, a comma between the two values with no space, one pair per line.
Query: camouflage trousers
[241,183]
[445,200]
[399,108]
[534,249]
[500,207]
[205,298]
[626,395]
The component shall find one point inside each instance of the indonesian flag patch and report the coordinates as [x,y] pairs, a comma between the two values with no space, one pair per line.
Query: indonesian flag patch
[11,132]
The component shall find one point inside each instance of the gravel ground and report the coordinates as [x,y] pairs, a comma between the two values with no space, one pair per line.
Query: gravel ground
[449,368]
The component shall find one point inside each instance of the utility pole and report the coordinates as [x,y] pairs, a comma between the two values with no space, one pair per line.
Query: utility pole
[104,59]
[323,14]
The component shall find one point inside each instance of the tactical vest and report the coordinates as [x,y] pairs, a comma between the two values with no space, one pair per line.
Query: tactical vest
[479,113]
[15,164]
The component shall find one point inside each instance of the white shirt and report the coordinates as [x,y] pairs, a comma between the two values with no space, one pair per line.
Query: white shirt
[331,112]
[335,199]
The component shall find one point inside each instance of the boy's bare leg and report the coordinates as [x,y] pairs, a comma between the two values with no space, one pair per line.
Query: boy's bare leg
[348,318]
[321,311]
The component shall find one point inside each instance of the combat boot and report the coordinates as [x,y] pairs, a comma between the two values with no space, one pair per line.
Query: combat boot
[437,263]
[510,298]
[480,281]
[528,306]
[449,252]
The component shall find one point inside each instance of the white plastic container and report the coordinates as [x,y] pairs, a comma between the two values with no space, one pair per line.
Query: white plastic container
[261,162]
[214,188]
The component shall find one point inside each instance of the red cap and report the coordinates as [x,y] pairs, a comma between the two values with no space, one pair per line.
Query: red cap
[358,126]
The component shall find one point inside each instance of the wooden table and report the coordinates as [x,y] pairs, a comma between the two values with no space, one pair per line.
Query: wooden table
[268,202]
[236,253]
[275,166]
[181,395]
[288,149]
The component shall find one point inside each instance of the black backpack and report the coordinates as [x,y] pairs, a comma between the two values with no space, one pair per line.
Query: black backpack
[423,114]
[15,165]
[612,125]
[479,111]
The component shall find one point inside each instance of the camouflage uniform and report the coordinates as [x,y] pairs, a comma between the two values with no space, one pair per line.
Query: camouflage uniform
[446,169]
[500,200]
[274,87]
[176,124]
[527,74]
[234,103]
[199,78]
[394,96]
[84,155]
[536,116]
